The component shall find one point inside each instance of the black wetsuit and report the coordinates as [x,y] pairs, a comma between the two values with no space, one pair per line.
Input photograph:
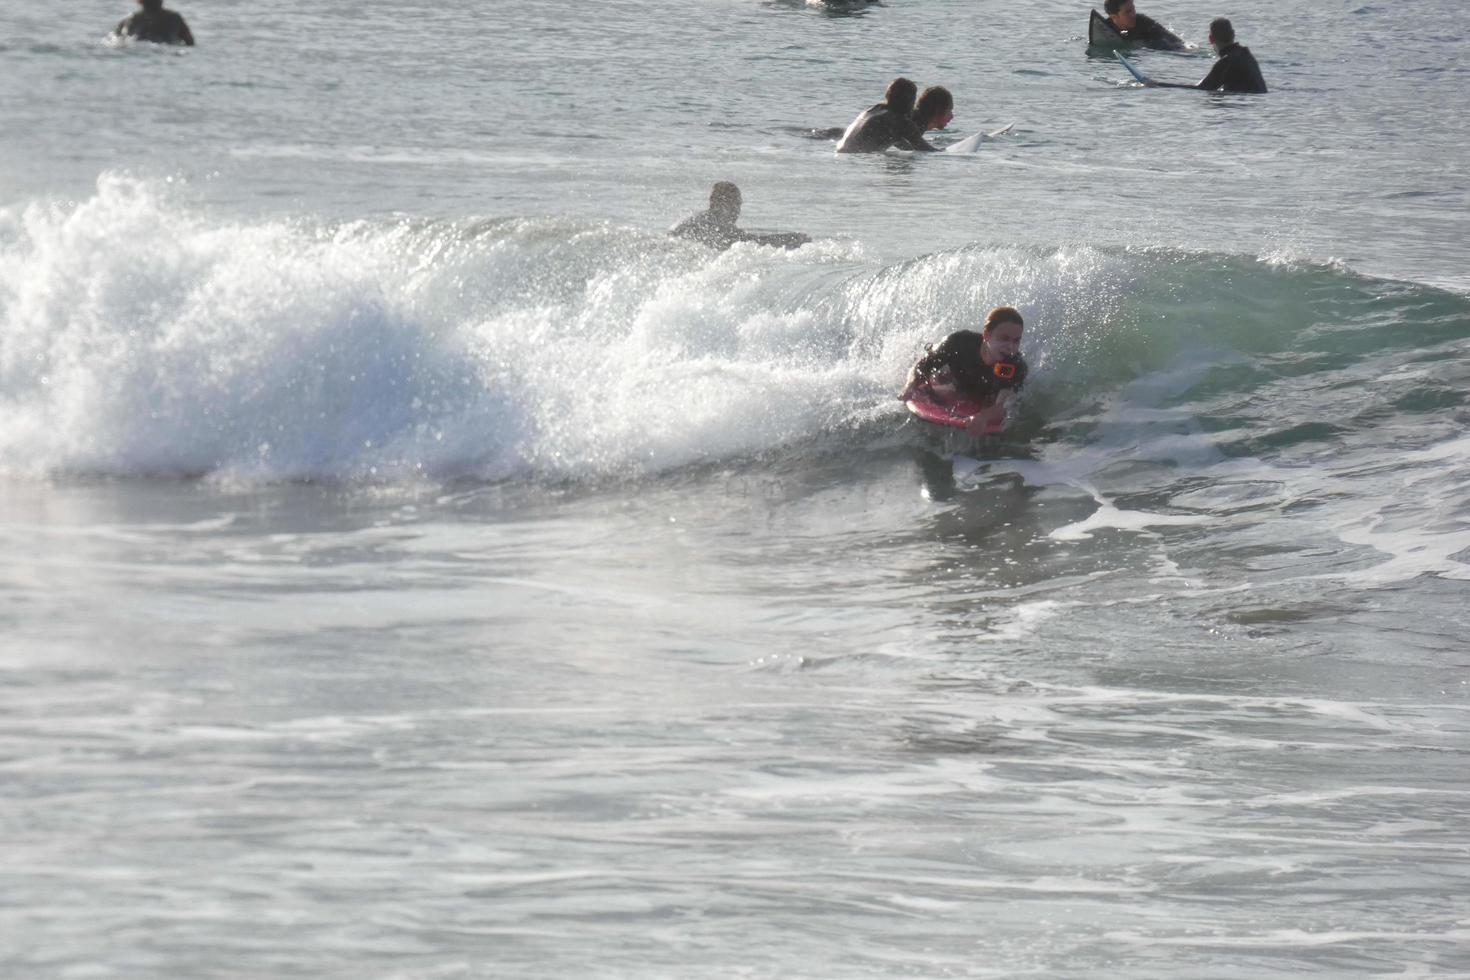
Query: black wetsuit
[719,232]
[1150,33]
[959,353]
[881,127]
[160,26]
[1236,71]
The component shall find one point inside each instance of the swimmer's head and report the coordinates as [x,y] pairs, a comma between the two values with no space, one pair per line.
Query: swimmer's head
[1222,33]
[935,107]
[1002,335]
[901,94]
[151,5]
[724,198]
[1121,13]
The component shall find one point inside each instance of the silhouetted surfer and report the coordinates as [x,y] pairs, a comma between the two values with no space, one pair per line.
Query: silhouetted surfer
[716,226]
[1236,71]
[157,24]
[889,123]
[985,367]
[1133,26]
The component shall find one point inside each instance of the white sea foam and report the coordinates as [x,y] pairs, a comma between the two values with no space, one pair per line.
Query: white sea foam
[143,337]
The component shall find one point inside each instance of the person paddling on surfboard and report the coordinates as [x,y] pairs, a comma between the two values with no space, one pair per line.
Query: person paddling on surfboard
[985,367]
[1133,26]
[1236,71]
[716,226]
[934,109]
[889,123]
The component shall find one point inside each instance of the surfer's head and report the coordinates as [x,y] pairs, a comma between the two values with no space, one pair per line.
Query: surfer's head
[935,107]
[1222,34]
[724,200]
[1121,13]
[1001,335]
[151,5]
[900,95]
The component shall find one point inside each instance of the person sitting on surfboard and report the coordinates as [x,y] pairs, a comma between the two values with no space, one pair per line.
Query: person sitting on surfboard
[889,123]
[985,367]
[716,226]
[1133,26]
[934,109]
[157,24]
[1236,71]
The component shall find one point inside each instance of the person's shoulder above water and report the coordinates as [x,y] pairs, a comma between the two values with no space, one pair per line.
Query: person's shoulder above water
[889,123]
[1237,69]
[1156,35]
[1238,72]
[156,24]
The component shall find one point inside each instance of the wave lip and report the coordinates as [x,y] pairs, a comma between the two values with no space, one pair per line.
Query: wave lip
[144,338]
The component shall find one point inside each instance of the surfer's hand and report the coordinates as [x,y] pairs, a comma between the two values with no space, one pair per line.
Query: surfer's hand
[987,420]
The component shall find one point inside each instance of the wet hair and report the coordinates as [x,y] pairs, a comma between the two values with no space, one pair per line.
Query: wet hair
[151,5]
[936,99]
[901,94]
[1221,32]
[724,195]
[1002,314]
[1113,6]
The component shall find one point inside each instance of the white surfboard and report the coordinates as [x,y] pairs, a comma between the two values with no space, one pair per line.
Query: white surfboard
[972,143]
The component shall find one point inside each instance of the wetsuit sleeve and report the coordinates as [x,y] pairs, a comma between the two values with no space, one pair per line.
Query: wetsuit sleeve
[1154,34]
[930,364]
[1216,78]
[185,35]
[784,239]
[913,136]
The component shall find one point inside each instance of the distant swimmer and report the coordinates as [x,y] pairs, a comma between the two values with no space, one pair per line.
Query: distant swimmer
[716,227]
[157,24]
[889,123]
[1136,27]
[985,367]
[1236,71]
[934,109]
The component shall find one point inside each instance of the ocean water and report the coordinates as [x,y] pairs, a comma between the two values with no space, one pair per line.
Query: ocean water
[414,564]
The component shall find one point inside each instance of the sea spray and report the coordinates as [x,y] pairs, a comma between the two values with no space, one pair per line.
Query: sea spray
[144,337]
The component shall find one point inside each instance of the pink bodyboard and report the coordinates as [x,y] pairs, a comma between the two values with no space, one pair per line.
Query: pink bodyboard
[951,410]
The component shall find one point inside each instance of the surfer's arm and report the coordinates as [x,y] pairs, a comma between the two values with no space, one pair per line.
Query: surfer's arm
[992,416]
[923,370]
[185,35]
[785,239]
[1169,41]
[1214,80]
[912,138]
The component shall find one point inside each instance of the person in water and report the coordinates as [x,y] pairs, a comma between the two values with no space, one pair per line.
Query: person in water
[157,24]
[889,123]
[1139,28]
[716,226]
[934,109]
[1236,71]
[986,367]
